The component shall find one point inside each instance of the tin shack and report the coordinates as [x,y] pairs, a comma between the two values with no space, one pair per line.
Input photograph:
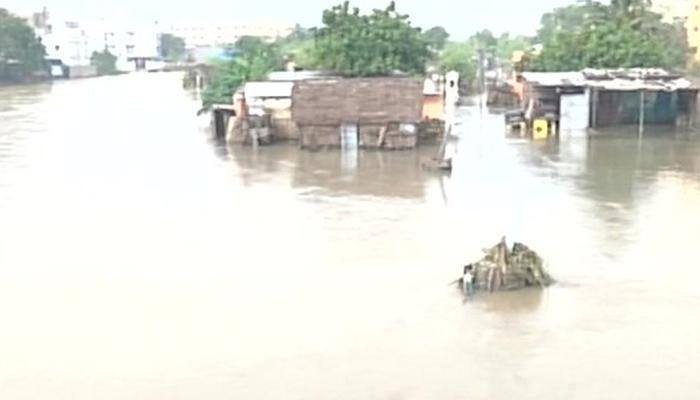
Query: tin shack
[569,103]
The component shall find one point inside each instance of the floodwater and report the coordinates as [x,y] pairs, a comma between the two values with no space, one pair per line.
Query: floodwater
[140,260]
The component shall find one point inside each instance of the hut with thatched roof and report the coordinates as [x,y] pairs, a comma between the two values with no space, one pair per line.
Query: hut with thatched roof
[358,112]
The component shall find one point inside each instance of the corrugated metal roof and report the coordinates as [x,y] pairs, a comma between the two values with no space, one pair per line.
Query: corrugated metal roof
[268,89]
[629,73]
[654,79]
[555,78]
[639,84]
[299,75]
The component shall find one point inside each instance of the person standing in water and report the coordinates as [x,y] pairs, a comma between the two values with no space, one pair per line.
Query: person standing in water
[468,280]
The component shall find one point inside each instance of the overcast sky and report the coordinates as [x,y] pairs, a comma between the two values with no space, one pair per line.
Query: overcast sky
[461,19]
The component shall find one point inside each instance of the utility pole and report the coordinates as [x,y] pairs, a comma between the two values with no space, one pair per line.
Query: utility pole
[641,113]
[482,83]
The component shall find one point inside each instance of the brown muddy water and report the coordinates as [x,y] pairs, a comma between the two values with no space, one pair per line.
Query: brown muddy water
[140,260]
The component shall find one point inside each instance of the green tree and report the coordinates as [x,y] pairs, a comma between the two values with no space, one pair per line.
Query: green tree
[460,57]
[298,47]
[622,34]
[380,43]
[105,62]
[436,37]
[172,47]
[21,53]
[253,61]
[507,45]
[484,40]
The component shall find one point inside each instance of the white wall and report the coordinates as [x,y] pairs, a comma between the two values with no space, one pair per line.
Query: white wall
[66,41]
[575,111]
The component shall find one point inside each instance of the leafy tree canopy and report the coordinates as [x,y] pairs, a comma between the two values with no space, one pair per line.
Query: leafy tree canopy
[105,62]
[436,37]
[254,60]
[595,35]
[172,47]
[379,43]
[19,47]
[460,57]
[463,56]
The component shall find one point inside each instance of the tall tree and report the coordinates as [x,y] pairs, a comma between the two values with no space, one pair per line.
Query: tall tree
[172,47]
[105,62]
[253,61]
[21,52]
[436,37]
[460,57]
[369,45]
[485,39]
[622,34]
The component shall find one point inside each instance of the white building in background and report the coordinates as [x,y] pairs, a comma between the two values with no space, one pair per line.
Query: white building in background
[136,48]
[672,10]
[70,45]
[216,35]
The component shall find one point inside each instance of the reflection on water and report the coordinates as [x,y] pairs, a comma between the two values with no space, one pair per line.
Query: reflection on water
[139,259]
[330,173]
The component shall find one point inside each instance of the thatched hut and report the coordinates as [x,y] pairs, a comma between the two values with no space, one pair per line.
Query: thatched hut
[358,112]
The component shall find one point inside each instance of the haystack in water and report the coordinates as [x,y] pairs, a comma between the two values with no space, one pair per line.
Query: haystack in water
[509,269]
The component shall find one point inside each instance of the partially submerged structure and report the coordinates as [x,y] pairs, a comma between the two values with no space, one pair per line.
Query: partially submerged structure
[358,112]
[274,100]
[317,109]
[572,102]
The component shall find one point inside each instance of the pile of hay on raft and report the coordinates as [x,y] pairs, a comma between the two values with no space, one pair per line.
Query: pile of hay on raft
[509,269]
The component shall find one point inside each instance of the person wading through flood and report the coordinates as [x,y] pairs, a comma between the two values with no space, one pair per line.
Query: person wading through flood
[468,280]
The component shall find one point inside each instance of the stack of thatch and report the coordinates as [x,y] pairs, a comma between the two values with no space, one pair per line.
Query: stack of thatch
[510,269]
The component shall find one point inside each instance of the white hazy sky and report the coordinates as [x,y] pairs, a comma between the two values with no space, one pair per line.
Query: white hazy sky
[461,19]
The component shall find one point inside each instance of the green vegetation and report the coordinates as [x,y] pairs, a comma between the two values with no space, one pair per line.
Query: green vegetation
[463,56]
[105,62]
[436,37]
[299,46]
[595,35]
[254,61]
[172,47]
[588,34]
[21,53]
[380,43]
[460,57]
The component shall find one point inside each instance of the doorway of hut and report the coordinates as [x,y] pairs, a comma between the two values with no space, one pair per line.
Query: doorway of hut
[349,143]
[349,138]
[221,118]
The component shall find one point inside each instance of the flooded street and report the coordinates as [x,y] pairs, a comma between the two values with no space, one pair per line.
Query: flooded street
[140,260]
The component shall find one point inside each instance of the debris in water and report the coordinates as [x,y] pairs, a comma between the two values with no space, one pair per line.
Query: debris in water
[504,269]
[437,164]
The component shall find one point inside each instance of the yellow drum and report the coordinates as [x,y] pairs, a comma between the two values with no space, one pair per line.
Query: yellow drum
[540,129]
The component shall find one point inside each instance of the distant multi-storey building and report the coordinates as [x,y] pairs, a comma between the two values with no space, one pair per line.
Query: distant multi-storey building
[64,40]
[686,11]
[671,10]
[70,44]
[206,36]
[692,25]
